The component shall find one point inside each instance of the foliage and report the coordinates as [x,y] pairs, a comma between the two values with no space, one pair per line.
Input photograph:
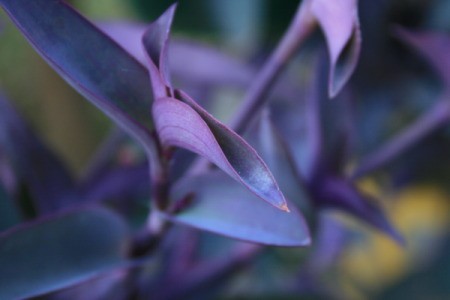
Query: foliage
[182,166]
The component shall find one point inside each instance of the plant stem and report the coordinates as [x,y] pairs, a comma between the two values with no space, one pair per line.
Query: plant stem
[299,29]
[432,120]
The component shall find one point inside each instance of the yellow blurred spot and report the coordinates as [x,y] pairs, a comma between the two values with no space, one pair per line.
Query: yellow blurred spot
[420,213]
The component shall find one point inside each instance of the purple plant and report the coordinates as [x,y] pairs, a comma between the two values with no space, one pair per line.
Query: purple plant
[96,238]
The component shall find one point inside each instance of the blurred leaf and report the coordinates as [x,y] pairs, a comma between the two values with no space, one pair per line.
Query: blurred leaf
[433,46]
[49,182]
[88,60]
[339,193]
[118,183]
[196,69]
[340,24]
[9,216]
[223,207]
[276,154]
[60,251]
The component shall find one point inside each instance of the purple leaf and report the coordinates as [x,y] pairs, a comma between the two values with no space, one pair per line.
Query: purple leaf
[88,60]
[433,46]
[224,207]
[196,69]
[156,43]
[183,123]
[333,192]
[339,22]
[49,182]
[60,251]
[187,125]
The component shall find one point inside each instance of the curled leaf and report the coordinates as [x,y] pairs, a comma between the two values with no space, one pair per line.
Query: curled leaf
[185,124]
[222,207]
[60,251]
[339,22]
[181,122]
[88,60]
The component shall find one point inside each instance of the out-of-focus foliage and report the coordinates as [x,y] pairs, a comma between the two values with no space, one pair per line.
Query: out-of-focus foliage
[369,179]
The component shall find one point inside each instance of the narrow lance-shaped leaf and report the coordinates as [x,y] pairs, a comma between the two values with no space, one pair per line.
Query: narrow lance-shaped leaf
[60,251]
[433,46]
[49,182]
[220,206]
[88,60]
[338,193]
[181,122]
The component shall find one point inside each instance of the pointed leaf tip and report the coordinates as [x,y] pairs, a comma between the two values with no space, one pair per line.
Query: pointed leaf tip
[155,41]
[185,124]
[340,25]
[223,207]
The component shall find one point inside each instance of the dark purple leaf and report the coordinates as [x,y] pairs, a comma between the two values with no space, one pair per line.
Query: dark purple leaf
[221,206]
[48,181]
[60,251]
[185,124]
[338,193]
[433,46]
[339,22]
[88,60]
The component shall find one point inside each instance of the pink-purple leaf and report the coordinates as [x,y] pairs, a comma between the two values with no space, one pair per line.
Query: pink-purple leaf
[435,47]
[223,207]
[88,60]
[185,124]
[339,22]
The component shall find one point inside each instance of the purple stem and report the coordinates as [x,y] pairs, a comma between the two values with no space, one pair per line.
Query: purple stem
[436,117]
[299,29]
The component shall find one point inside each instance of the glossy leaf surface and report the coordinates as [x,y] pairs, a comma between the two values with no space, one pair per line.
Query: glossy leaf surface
[88,60]
[221,206]
[60,251]
[187,125]
[48,181]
